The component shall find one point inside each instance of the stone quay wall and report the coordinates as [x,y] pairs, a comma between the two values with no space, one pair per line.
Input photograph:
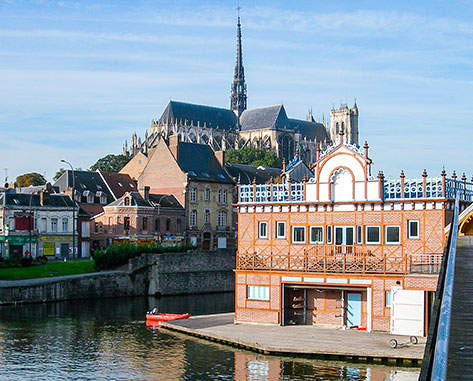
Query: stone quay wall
[192,272]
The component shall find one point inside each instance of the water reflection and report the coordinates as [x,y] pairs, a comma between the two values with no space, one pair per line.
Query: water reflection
[107,339]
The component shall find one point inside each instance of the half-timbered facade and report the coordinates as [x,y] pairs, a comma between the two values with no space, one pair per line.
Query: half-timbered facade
[333,248]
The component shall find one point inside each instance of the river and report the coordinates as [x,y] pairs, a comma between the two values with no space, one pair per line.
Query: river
[107,340]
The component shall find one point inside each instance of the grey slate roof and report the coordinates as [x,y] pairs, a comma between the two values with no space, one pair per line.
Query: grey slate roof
[84,181]
[265,117]
[23,200]
[312,130]
[211,117]
[155,200]
[246,173]
[199,161]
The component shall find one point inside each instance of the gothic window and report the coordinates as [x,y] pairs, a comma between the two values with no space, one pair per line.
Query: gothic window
[286,147]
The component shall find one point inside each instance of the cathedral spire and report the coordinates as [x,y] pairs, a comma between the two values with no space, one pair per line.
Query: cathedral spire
[238,96]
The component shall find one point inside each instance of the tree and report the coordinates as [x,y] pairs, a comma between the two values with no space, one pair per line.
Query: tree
[253,156]
[59,173]
[28,179]
[110,163]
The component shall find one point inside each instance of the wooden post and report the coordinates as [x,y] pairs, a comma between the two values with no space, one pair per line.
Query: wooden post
[288,182]
[304,183]
[254,189]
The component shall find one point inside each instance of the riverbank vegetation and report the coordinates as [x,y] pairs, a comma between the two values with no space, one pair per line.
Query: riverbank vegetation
[116,256]
[47,270]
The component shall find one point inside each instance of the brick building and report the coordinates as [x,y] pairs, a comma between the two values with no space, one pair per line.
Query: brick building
[340,247]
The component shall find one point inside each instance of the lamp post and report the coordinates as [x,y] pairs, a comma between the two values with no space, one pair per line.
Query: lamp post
[29,223]
[73,210]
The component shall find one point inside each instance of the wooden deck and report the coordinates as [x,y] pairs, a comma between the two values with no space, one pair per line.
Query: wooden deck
[303,340]
[460,351]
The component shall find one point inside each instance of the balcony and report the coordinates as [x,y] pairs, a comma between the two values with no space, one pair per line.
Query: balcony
[223,228]
[340,260]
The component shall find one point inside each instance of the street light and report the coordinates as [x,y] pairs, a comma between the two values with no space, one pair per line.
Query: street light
[73,210]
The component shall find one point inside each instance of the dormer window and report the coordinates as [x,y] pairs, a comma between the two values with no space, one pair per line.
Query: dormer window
[127,201]
[103,199]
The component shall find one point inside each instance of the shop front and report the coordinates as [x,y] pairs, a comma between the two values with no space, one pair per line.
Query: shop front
[56,246]
[15,247]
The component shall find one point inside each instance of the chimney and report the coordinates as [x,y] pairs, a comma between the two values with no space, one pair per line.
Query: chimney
[174,146]
[220,155]
[44,197]
[146,194]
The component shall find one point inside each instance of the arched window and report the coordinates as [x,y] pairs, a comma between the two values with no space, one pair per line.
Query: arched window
[193,218]
[286,149]
[127,201]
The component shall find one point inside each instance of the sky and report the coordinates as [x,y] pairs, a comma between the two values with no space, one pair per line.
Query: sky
[77,78]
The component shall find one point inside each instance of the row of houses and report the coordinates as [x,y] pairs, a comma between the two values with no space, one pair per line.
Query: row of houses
[179,193]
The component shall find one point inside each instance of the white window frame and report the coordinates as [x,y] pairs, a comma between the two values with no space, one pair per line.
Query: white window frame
[260,225]
[386,298]
[257,293]
[283,223]
[222,218]
[65,224]
[207,194]
[207,216]
[310,235]
[409,235]
[298,242]
[366,235]
[359,235]
[193,196]
[193,218]
[55,220]
[386,242]
[329,232]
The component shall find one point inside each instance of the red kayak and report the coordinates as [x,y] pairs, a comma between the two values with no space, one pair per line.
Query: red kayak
[166,317]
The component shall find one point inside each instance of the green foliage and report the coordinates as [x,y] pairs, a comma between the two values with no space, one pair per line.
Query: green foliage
[253,156]
[59,173]
[28,179]
[110,163]
[115,256]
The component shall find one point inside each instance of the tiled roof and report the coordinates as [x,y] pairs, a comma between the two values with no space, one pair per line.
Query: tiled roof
[119,183]
[199,161]
[246,173]
[211,117]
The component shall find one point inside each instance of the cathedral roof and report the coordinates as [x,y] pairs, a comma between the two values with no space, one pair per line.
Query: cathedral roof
[211,117]
[264,117]
[311,130]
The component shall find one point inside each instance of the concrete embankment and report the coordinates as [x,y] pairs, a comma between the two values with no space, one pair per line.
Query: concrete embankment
[150,274]
[302,340]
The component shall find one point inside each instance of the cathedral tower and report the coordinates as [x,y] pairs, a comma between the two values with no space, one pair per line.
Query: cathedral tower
[238,96]
[344,119]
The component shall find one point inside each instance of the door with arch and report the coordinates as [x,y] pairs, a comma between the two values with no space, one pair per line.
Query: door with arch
[206,241]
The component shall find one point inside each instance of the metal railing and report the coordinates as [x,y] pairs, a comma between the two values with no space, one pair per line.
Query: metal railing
[434,364]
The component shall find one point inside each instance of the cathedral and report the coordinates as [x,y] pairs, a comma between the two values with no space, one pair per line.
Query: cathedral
[238,127]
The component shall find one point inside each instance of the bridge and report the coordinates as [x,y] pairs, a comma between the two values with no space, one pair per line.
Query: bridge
[449,349]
